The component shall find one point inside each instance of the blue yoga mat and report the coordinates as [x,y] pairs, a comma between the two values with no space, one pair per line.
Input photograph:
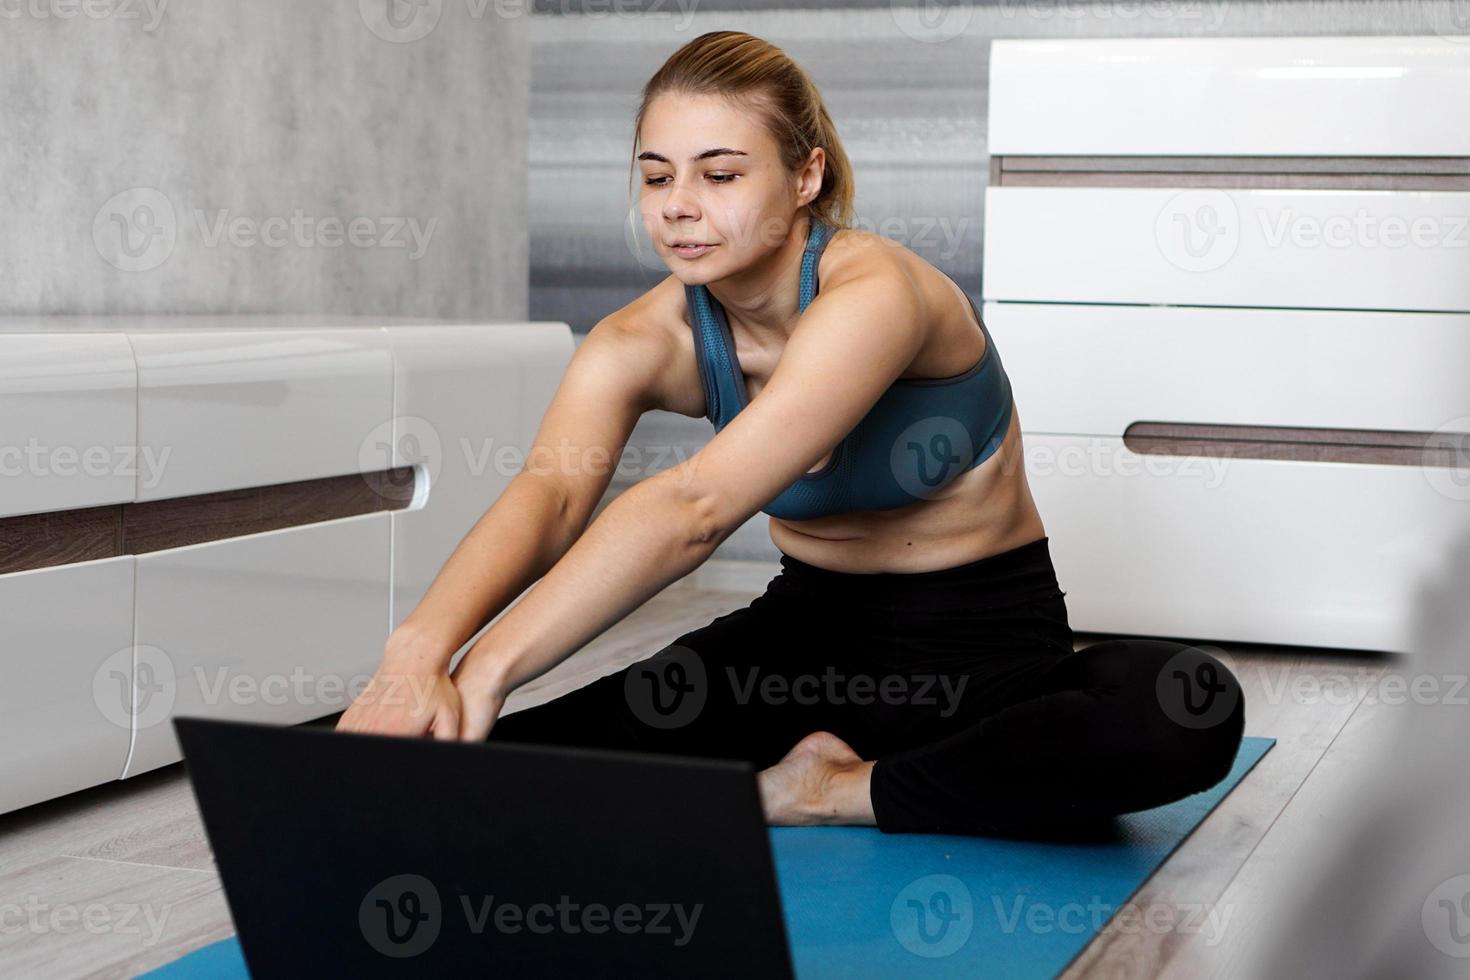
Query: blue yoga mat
[861,903]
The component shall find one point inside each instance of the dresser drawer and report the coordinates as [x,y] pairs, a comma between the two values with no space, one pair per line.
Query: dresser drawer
[225,409]
[1090,369]
[270,627]
[1244,550]
[68,422]
[66,679]
[1248,96]
[1321,249]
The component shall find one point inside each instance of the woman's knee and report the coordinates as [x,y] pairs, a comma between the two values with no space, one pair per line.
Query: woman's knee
[1201,708]
[1187,705]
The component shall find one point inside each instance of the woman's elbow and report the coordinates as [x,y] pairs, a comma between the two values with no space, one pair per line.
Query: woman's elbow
[704,514]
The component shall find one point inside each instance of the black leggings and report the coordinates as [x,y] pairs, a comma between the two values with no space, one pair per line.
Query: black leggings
[961,683]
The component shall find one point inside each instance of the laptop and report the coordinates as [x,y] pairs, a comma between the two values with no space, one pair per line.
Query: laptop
[350,854]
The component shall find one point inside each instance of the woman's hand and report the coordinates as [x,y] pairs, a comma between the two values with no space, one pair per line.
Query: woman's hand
[482,694]
[411,699]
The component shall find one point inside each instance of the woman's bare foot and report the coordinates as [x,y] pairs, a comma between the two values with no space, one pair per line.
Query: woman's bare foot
[820,781]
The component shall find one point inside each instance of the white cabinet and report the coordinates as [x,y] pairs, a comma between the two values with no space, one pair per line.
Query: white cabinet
[239,408]
[267,627]
[1249,550]
[1090,369]
[465,410]
[66,678]
[68,422]
[67,441]
[1272,256]
[1206,246]
[1230,96]
[192,608]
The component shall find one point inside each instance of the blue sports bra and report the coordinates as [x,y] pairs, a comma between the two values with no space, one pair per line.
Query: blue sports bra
[920,435]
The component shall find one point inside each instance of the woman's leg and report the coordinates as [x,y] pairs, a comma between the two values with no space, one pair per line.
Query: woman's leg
[1119,726]
[965,691]
[738,687]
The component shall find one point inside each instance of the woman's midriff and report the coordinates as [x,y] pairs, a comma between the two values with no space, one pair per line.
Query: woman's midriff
[985,511]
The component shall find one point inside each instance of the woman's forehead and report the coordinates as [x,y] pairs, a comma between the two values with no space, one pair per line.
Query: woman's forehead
[691,124]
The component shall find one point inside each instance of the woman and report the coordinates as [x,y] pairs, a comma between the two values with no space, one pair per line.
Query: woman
[912,665]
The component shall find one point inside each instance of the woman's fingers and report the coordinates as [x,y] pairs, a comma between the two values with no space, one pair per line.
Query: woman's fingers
[477,716]
[411,705]
[446,724]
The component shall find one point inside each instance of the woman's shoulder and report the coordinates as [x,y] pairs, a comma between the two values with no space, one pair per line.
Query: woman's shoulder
[653,324]
[656,316]
[853,253]
[952,328]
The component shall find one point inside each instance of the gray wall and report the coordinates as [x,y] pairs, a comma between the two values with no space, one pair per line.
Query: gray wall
[262,156]
[908,92]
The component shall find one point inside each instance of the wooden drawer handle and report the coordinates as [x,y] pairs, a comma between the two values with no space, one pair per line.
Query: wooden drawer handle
[32,541]
[1378,446]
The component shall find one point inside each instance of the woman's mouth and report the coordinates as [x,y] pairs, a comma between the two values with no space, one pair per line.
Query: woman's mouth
[691,251]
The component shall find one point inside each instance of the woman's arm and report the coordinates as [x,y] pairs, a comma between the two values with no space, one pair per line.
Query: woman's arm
[411,693]
[855,338]
[517,539]
[613,378]
[648,537]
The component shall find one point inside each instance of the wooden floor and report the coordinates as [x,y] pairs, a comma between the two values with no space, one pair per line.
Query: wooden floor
[119,879]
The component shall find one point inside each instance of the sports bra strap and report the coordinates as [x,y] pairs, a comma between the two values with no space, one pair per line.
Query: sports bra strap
[820,234]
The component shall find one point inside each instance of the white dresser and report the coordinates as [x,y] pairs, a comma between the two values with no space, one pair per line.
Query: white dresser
[227,515]
[1230,280]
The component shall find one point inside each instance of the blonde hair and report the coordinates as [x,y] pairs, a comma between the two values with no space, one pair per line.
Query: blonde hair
[756,72]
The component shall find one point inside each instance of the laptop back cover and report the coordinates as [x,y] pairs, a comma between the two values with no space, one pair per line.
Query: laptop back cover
[370,855]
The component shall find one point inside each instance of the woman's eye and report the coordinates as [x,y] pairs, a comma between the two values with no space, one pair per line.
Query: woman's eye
[717,178]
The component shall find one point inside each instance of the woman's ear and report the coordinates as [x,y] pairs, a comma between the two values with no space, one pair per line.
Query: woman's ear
[810,179]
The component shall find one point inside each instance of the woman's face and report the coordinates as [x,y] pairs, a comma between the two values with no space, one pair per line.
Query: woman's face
[711,175]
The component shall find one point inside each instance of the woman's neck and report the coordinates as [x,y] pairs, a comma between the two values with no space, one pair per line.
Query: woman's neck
[765,299]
